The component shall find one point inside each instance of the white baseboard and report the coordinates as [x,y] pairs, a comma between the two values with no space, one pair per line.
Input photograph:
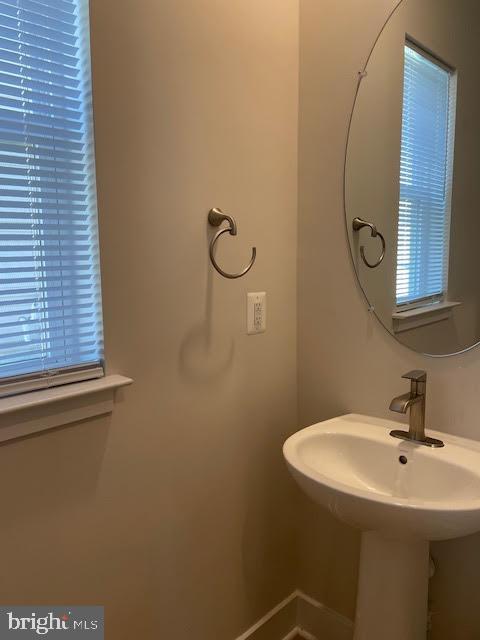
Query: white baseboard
[318,622]
[294,633]
[300,615]
[297,632]
[261,629]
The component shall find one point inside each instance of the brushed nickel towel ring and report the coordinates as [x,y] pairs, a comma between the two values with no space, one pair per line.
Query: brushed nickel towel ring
[358,224]
[215,219]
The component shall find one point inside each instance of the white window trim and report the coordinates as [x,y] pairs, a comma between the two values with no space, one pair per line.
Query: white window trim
[28,413]
[412,318]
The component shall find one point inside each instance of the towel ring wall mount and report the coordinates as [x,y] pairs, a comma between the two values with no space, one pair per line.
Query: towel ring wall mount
[215,219]
[358,224]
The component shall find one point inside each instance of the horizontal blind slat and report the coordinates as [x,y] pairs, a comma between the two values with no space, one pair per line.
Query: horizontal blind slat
[47,9]
[18,36]
[9,8]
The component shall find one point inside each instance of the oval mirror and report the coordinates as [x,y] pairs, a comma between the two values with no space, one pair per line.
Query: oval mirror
[412,172]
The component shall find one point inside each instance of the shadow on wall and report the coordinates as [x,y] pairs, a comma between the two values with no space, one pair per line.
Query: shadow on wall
[333,553]
[459,558]
[205,355]
[268,528]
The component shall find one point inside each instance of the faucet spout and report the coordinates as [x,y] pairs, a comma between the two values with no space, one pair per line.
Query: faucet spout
[401,404]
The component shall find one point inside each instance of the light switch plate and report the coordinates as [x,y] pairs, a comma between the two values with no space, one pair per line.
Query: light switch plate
[256,312]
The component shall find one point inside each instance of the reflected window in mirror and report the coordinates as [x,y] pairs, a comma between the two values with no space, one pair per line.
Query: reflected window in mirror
[426,176]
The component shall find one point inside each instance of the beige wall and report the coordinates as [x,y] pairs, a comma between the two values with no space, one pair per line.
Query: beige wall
[347,361]
[177,512]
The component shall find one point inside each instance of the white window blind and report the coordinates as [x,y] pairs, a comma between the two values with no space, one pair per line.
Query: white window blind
[426,167]
[50,299]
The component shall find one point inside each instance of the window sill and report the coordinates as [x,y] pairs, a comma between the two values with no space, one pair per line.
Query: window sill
[28,413]
[421,316]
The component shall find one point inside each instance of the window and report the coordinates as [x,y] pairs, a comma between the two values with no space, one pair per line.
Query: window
[50,299]
[426,168]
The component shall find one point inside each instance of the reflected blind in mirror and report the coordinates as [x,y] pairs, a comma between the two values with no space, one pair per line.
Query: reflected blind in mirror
[50,301]
[426,167]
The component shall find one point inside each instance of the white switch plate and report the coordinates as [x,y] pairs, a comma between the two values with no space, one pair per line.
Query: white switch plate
[256,312]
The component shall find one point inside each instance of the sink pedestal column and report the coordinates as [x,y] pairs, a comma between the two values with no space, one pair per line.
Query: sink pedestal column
[392,589]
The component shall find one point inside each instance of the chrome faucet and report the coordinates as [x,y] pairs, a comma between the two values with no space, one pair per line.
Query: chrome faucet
[415,401]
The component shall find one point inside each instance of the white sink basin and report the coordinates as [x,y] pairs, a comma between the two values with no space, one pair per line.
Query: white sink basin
[351,466]
[401,495]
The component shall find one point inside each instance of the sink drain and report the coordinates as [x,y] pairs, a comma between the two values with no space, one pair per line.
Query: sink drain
[403,459]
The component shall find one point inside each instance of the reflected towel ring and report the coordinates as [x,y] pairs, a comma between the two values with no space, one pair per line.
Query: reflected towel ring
[215,219]
[358,224]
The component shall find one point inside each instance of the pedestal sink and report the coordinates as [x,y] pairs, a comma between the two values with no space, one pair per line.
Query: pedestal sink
[401,495]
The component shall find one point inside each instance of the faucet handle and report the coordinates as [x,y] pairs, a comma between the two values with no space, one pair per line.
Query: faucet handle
[418,381]
[416,376]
